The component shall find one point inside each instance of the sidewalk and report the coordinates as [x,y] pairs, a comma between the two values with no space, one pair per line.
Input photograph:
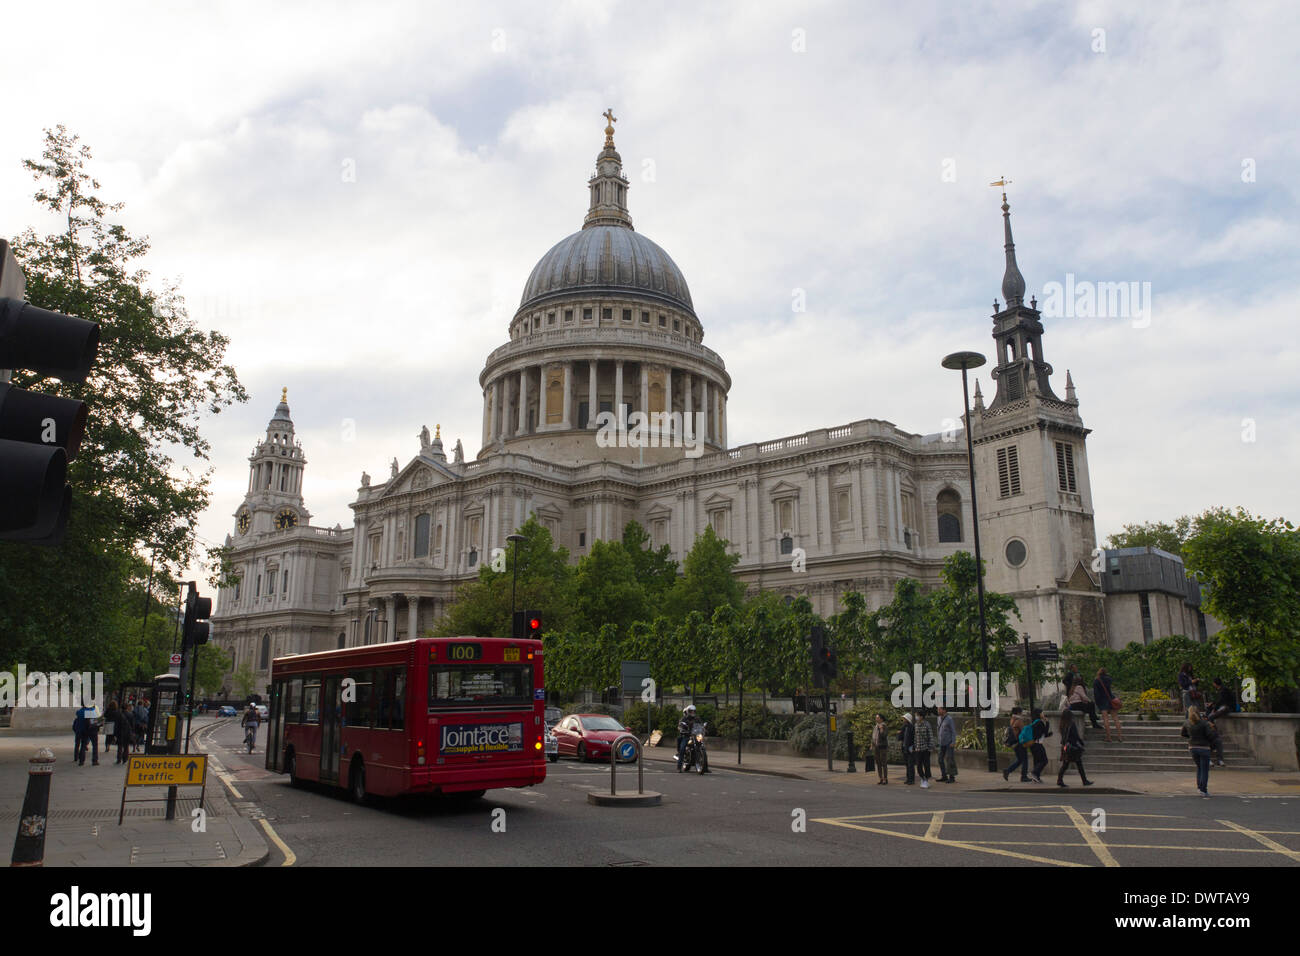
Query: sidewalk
[1224,781]
[84,800]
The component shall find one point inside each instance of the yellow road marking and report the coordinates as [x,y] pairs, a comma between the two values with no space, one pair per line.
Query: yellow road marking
[952,843]
[1090,837]
[289,857]
[935,823]
[1260,838]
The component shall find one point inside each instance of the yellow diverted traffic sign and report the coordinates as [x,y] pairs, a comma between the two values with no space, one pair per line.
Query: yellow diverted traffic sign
[167,770]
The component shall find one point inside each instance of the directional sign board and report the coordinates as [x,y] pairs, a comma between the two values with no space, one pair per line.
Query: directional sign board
[173,770]
[1044,651]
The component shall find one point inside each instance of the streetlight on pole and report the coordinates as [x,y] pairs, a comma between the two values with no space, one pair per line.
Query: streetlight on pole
[964,361]
[514,539]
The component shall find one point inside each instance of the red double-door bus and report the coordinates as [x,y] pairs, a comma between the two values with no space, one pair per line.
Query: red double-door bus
[431,715]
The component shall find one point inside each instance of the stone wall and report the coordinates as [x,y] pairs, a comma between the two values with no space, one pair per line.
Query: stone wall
[1270,737]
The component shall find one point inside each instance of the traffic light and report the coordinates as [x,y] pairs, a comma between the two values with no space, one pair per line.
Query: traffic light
[532,625]
[197,611]
[39,434]
[825,663]
[518,627]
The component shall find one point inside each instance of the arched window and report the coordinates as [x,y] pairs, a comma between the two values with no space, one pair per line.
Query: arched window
[343,639]
[948,504]
[266,651]
[422,536]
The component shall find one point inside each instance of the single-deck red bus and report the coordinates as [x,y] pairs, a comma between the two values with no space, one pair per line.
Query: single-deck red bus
[431,715]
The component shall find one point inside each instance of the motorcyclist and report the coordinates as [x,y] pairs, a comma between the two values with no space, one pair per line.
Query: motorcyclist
[684,730]
[251,722]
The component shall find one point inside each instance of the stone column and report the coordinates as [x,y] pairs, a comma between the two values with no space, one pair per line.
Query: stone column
[593,406]
[541,399]
[412,615]
[618,389]
[390,624]
[723,402]
[566,420]
[523,401]
[487,437]
[668,401]
[704,406]
[645,389]
[688,415]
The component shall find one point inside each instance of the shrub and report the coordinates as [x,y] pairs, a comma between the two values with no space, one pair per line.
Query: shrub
[809,734]
[575,707]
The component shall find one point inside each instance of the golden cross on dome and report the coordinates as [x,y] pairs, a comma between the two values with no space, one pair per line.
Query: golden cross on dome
[437,431]
[609,127]
[284,394]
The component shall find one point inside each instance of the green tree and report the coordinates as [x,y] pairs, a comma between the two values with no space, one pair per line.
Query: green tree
[545,585]
[655,569]
[1249,568]
[606,589]
[155,375]
[1154,534]
[707,581]
[957,644]
[212,664]
[245,679]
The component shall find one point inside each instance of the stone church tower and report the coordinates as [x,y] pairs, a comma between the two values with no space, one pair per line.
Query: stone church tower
[274,498]
[1031,462]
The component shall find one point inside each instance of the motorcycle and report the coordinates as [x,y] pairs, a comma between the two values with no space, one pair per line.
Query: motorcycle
[694,754]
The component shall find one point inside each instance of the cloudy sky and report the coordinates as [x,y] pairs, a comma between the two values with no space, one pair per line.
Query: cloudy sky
[356,193]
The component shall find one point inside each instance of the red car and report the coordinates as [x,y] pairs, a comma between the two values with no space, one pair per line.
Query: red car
[589,737]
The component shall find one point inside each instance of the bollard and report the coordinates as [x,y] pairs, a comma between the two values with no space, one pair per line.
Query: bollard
[29,845]
[849,740]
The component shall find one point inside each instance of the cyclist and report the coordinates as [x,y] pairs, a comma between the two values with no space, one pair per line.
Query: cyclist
[252,720]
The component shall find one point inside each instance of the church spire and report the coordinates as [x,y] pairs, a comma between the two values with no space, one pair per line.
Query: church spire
[1013,283]
[608,186]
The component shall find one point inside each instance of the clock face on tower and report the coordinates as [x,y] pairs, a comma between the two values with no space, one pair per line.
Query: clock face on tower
[286,519]
[241,522]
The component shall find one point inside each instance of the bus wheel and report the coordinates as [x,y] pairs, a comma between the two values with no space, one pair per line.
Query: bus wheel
[357,782]
[291,768]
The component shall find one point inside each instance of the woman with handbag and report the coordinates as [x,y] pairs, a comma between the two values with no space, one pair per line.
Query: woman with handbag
[880,747]
[1071,750]
[1107,704]
[1200,734]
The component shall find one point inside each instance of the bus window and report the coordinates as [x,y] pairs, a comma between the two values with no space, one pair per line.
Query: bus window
[293,701]
[399,699]
[360,711]
[311,701]
[383,684]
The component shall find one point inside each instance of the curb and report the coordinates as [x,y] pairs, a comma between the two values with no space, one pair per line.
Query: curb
[250,839]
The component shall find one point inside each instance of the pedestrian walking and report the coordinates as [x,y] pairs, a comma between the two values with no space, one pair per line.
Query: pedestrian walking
[1039,731]
[907,737]
[947,747]
[1200,734]
[1014,731]
[1107,704]
[880,747]
[141,714]
[124,731]
[924,744]
[1071,750]
[86,728]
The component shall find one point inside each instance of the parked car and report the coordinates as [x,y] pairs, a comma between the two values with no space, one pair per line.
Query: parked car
[227,711]
[589,736]
[263,711]
[552,745]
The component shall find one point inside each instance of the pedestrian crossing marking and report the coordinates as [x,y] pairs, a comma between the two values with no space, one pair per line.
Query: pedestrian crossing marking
[901,824]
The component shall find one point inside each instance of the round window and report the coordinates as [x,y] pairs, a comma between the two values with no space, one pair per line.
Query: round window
[1016,552]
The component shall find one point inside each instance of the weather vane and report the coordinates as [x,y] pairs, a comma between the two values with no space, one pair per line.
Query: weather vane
[1004,183]
[609,126]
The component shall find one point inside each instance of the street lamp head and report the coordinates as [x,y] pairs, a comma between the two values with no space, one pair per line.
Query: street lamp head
[516,537]
[963,360]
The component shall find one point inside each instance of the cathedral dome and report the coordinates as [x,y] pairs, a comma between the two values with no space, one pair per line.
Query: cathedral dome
[607,258]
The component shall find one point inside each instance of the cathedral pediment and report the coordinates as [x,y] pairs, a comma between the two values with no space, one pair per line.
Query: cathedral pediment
[419,474]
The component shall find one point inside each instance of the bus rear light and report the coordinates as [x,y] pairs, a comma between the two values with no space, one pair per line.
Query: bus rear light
[538,745]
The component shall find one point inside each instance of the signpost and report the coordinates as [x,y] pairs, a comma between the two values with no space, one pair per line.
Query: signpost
[164,770]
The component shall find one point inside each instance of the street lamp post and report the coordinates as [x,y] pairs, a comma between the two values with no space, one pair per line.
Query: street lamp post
[515,539]
[964,361]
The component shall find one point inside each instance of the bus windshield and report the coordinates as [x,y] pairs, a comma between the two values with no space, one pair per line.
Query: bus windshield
[480,685]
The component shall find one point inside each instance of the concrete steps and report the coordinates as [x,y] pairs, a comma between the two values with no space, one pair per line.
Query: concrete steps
[1151,746]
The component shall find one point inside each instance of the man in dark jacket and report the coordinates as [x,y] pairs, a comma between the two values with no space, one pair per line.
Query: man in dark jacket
[908,738]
